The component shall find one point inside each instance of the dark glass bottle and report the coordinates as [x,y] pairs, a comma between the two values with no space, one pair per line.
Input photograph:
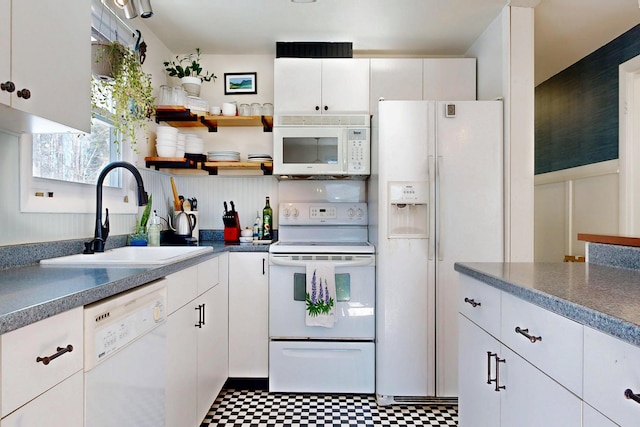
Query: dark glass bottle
[267,221]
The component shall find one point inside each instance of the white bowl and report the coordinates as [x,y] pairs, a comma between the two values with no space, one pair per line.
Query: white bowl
[166,151]
[246,239]
[166,142]
[179,152]
[166,130]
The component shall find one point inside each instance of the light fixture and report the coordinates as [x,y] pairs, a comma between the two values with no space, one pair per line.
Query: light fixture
[145,9]
[128,7]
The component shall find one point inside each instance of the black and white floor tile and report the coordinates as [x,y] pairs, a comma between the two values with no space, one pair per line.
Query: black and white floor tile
[236,407]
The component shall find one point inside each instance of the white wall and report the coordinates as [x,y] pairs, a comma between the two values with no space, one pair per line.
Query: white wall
[571,201]
[505,70]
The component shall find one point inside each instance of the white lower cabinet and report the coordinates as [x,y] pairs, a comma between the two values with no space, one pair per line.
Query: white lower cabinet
[61,406]
[39,369]
[506,379]
[611,367]
[248,315]
[593,418]
[197,342]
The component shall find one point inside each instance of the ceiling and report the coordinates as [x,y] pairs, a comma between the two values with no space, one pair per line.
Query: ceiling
[565,30]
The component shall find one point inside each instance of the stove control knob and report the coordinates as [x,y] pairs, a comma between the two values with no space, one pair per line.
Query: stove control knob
[360,213]
[286,212]
[296,212]
[351,212]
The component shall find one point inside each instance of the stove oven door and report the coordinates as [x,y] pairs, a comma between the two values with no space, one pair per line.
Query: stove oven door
[355,295]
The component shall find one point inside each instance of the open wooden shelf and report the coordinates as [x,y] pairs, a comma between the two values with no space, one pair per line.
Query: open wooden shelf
[183,117]
[198,161]
[214,167]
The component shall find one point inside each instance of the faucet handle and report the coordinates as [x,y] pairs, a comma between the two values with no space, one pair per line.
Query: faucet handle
[88,247]
[105,227]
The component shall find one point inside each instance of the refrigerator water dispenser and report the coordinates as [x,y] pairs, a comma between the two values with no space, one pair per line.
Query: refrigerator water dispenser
[408,210]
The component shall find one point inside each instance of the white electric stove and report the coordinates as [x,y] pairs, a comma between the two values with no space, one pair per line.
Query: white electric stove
[316,359]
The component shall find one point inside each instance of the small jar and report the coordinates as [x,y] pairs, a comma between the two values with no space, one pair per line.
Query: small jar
[256,109]
[244,110]
[267,109]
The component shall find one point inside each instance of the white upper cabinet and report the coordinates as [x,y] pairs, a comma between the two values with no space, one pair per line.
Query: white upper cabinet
[449,79]
[432,79]
[48,63]
[321,86]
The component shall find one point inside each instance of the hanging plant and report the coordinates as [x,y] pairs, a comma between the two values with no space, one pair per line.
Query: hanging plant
[127,96]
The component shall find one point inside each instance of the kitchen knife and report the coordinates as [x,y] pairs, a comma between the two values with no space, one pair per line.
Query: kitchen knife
[233,207]
[225,208]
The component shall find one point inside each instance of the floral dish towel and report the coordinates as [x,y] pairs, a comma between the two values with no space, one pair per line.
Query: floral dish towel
[321,294]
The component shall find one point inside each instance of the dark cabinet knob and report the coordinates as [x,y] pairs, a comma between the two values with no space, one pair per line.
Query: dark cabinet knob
[317,108]
[8,86]
[24,93]
[326,108]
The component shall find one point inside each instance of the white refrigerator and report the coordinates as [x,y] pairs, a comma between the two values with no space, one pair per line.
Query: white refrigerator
[435,198]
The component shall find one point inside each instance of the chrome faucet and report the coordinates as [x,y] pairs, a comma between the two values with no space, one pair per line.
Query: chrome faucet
[102,231]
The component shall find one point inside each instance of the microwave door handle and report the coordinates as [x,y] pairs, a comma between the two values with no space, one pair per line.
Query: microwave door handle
[299,263]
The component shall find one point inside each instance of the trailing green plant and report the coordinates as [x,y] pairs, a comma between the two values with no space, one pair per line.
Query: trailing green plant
[127,99]
[188,66]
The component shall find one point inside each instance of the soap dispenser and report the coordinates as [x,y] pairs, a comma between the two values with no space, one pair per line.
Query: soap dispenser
[154,230]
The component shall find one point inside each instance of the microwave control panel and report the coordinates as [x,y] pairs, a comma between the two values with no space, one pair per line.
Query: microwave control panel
[358,151]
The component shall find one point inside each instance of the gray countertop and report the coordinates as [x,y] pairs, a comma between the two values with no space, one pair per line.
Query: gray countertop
[602,297]
[34,292]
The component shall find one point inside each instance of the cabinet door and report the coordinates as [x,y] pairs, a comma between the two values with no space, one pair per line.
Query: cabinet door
[43,36]
[62,406]
[345,86]
[181,368]
[593,418]
[449,79]
[610,368]
[532,399]
[248,315]
[297,85]
[478,403]
[5,48]
[23,378]
[395,79]
[213,347]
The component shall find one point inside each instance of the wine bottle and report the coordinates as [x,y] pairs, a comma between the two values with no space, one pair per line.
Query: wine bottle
[267,221]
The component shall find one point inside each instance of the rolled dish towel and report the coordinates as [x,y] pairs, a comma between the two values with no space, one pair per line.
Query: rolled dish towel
[321,294]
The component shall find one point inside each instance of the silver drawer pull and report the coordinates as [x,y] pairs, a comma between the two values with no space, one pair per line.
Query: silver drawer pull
[629,394]
[472,302]
[59,352]
[498,361]
[525,332]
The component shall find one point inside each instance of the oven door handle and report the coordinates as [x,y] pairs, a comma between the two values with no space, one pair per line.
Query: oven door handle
[299,263]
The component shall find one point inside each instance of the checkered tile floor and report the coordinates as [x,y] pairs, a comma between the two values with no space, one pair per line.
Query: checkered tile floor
[259,408]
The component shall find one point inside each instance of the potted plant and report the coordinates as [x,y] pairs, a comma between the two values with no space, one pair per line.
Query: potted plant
[125,98]
[189,71]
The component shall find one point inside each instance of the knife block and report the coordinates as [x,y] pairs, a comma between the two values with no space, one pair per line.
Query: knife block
[231,228]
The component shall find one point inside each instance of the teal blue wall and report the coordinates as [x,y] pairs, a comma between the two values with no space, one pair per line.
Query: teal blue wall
[576,111]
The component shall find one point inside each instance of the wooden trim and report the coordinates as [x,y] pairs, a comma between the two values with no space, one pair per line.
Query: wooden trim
[610,240]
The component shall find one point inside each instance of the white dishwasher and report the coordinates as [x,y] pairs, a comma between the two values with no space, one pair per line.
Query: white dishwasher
[125,358]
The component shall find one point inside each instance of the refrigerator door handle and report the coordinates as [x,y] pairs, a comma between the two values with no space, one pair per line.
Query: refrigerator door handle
[439,215]
[430,166]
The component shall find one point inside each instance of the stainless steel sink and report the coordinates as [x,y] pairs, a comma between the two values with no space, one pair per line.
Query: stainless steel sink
[131,256]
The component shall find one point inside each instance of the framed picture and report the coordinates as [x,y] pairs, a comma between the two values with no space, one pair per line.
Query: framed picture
[240,84]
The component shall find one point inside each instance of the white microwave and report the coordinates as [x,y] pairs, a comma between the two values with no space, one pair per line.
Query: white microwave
[322,145]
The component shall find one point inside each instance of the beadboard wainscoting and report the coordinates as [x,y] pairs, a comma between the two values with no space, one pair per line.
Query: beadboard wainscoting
[247,193]
[584,199]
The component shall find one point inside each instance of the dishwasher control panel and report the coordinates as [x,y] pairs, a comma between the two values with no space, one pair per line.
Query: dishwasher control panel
[113,323]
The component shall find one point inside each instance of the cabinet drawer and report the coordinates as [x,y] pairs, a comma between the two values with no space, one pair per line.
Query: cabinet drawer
[610,367]
[208,275]
[480,303]
[182,287]
[558,353]
[22,376]
[61,406]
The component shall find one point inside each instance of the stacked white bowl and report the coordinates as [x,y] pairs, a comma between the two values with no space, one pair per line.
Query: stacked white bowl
[166,141]
[193,144]
[180,143]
